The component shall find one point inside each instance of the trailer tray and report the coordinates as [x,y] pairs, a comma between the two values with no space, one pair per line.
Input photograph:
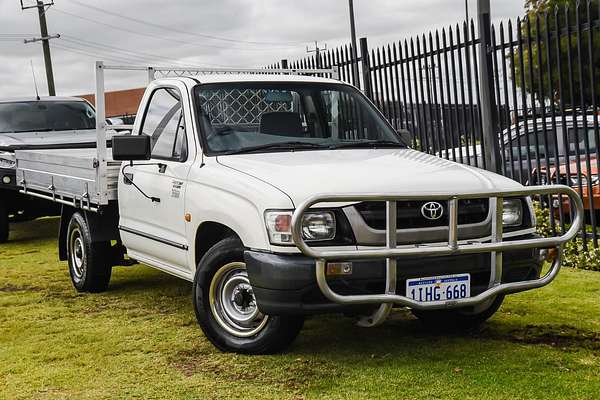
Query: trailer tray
[68,176]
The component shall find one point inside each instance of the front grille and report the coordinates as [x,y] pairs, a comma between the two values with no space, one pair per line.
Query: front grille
[409,214]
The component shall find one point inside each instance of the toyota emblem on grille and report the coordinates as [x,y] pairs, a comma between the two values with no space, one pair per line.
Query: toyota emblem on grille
[432,210]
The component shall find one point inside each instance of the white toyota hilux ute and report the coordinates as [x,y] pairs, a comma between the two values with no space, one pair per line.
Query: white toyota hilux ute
[282,196]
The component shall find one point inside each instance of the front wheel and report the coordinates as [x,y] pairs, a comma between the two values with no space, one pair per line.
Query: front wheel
[459,318]
[226,308]
[89,265]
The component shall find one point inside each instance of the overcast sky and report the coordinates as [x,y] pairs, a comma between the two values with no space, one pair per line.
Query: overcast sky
[236,33]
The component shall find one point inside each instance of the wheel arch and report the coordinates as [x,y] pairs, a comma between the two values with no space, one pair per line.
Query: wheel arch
[208,234]
[66,213]
[103,227]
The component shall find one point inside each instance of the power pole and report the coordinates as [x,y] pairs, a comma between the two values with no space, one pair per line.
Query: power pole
[467,10]
[354,55]
[45,39]
[317,50]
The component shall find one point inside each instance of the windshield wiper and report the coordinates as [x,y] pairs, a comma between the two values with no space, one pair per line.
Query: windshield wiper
[278,146]
[368,144]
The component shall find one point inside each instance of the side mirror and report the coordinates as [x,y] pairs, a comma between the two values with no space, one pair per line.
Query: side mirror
[406,136]
[131,147]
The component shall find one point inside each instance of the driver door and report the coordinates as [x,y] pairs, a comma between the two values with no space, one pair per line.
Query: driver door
[154,232]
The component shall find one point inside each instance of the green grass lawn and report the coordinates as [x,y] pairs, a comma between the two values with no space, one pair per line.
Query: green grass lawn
[140,340]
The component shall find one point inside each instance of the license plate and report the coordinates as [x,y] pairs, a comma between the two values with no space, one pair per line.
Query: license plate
[439,288]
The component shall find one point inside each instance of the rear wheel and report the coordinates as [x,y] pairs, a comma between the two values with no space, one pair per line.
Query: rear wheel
[89,264]
[226,308]
[4,226]
[459,318]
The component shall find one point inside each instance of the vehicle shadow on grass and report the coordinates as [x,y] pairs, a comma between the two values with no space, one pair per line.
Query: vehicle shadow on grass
[141,277]
[30,231]
[401,333]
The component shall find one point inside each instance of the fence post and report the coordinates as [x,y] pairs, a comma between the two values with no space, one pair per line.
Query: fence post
[489,117]
[366,68]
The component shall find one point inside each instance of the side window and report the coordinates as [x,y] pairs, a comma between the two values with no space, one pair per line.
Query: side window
[164,123]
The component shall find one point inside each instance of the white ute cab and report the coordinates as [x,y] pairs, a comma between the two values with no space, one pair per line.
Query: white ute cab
[281,196]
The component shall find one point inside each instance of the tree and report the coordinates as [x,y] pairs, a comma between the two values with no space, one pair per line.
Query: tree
[542,19]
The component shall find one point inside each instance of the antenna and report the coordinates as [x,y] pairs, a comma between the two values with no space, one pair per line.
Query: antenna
[37,94]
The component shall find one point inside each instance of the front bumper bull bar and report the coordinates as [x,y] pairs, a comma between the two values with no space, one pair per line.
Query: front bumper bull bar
[391,252]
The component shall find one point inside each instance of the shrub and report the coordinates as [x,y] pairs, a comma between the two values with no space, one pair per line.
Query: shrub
[574,255]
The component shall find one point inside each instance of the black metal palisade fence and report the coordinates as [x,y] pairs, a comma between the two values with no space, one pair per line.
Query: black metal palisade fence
[544,77]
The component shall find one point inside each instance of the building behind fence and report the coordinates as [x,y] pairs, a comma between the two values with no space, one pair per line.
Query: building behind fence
[541,74]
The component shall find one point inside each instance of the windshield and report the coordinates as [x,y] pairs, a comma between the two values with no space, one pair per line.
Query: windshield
[36,116]
[576,145]
[532,151]
[577,141]
[245,117]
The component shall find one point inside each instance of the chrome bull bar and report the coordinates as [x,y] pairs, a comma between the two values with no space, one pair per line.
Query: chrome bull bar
[391,252]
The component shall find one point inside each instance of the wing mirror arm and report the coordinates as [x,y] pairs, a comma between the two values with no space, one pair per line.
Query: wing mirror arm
[133,148]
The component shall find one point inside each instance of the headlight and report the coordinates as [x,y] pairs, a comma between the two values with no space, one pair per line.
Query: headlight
[575,179]
[316,226]
[513,212]
[7,160]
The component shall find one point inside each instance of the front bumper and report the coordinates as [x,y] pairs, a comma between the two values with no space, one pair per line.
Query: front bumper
[287,284]
[468,254]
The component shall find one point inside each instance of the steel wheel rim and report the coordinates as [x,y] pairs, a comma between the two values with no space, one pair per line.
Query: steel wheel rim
[77,253]
[232,302]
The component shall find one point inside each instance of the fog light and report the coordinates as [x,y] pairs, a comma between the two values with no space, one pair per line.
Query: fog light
[339,268]
[7,180]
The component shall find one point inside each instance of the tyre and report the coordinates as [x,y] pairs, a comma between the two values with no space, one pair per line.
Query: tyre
[460,318]
[226,308]
[89,264]
[4,225]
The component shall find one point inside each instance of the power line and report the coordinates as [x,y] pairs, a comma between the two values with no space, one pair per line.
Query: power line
[110,57]
[130,57]
[94,55]
[168,39]
[201,35]
[134,55]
